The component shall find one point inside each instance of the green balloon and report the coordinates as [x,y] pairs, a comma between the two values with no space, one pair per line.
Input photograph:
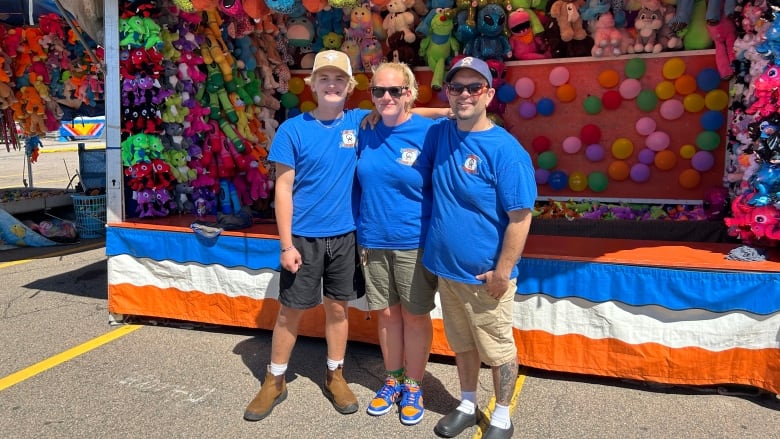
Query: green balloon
[592,105]
[635,68]
[289,100]
[547,160]
[647,100]
[597,181]
[708,140]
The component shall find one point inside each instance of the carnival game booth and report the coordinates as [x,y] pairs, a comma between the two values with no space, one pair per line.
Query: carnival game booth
[635,139]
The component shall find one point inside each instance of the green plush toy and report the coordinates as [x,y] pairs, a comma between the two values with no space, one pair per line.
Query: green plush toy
[218,100]
[438,46]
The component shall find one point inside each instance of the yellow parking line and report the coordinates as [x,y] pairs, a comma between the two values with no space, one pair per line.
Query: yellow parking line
[492,404]
[63,252]
[70,354]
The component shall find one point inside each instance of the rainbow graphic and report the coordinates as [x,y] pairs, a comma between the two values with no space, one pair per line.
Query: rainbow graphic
[82,128]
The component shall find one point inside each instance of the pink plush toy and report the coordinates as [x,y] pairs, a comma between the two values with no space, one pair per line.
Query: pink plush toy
[607,39]
[522,38]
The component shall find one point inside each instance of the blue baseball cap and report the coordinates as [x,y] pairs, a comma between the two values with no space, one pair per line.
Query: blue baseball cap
[472,63]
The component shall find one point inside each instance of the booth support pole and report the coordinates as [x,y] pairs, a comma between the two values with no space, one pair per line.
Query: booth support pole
[114,177]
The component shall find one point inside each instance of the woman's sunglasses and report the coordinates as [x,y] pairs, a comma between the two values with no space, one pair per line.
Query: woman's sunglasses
[395,91]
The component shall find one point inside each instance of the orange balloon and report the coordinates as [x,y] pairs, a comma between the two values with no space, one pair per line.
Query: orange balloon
[665,160]
[424,94]
[689,178]
[618,170]
[609,78]
[685,85]
[566,93]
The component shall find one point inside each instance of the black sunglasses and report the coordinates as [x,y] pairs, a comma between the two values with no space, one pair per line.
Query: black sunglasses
[475,89]
[395,91]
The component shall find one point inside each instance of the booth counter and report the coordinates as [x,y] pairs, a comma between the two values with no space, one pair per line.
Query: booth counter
[668,312]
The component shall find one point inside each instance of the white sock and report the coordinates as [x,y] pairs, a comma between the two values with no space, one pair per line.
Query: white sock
[333,364]
[500,417]
[277,369]
[467,407]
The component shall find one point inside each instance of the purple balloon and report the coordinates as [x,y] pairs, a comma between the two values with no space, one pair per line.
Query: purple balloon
[646,156]
[640,173]
[702,161]
[541,175]
[595,152]
[527,110]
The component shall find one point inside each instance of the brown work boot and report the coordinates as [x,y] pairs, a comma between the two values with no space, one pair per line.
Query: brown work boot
[273,391]
[338,392]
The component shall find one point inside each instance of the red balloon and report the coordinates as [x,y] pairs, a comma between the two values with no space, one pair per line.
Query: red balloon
[590,134]
[541,144]
[611,99]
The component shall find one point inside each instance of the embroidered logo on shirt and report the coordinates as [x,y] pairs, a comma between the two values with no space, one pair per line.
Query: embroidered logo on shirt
[348,139]
[408,156]
[471,163]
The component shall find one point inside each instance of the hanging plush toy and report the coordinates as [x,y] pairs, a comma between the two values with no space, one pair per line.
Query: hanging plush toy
[437,46]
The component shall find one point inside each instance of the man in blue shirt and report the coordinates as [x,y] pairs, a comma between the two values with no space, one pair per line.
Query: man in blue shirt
[483,191]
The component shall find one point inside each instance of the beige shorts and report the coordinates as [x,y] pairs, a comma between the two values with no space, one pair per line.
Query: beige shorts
[474,320]
[394,276]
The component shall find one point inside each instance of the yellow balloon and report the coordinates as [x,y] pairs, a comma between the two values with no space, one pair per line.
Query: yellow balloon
[664,90]
[716,100]
[687,151]
[362,81]
[307,106]
[609,78]
[366,104]
[578,181]
[673,68]
[296,85]
[693,103]
[685,84]
[622,148]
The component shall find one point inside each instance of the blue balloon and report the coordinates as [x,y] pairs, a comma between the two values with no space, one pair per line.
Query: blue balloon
[712,120]
[708,79]
[506,93]
[545,106]
[558,180]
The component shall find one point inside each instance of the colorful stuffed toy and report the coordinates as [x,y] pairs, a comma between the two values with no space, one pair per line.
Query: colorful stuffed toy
[607,39]
[522,38]
[438,46]
[491,42]
[566,13]
[648,22]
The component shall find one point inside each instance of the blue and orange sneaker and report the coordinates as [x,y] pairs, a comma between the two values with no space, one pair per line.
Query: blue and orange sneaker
[411,404]
[385,398]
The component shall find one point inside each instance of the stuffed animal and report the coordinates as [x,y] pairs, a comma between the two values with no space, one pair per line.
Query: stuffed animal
[351,47]
[765,92]
[399,19]
[491,42]
[566,14]
[667,37]
[557,48]
[360,23]
[607,38]
[648,22]
[438,46]
[370,53]
[434,7]
[522,39]
[398,50]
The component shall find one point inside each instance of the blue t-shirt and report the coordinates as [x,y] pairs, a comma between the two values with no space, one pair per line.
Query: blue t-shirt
[324,157]
[394,174]
[477,178]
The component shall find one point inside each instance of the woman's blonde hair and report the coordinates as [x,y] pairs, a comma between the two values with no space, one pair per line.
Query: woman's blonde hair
[406,73]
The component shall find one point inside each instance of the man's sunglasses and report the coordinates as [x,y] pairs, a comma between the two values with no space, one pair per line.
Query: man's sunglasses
[395,91]
[475,89]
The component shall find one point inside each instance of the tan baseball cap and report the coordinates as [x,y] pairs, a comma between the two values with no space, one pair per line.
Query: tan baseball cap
[332,58]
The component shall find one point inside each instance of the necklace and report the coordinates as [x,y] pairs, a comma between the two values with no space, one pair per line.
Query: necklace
[330,123]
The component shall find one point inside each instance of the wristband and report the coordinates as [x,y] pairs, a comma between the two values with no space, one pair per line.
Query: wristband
[286,249]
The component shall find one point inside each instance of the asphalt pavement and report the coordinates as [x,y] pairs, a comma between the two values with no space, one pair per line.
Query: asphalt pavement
[65,372]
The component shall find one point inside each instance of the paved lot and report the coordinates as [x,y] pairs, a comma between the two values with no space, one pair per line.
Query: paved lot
[91,379]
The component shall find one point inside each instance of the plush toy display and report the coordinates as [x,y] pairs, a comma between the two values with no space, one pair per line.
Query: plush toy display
[607,39]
